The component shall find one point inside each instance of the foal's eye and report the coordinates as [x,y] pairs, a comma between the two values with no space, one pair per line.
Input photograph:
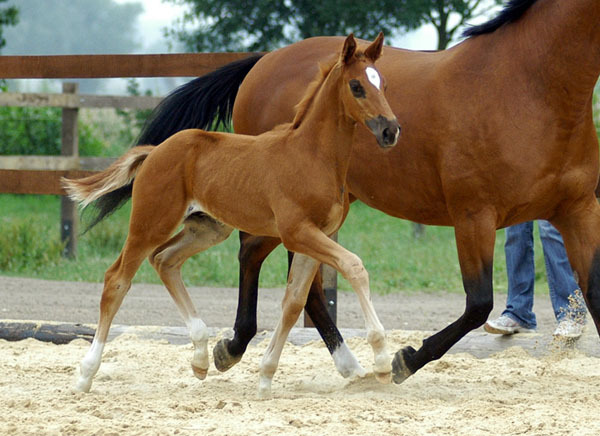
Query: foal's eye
[357,89]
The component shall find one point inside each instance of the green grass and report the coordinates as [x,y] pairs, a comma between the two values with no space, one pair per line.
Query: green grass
[30,247]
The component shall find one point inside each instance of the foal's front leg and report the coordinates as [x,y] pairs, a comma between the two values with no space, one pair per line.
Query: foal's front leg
[301,274]
[228,352]
[314,243]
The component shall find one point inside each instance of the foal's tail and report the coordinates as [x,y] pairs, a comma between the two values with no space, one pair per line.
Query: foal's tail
[202,103]
[119,174]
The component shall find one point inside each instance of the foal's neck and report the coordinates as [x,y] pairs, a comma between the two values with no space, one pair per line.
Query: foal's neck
[325,125]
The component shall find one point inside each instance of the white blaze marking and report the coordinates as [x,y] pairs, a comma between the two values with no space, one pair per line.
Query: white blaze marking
[373,77]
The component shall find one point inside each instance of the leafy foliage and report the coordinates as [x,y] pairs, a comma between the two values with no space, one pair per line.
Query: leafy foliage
[9,16]
[25,246]
[37,131]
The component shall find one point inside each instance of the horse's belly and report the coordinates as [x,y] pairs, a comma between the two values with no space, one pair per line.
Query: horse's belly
[239,215]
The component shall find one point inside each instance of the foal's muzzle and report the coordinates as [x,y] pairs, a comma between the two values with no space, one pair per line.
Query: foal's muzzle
[385,130]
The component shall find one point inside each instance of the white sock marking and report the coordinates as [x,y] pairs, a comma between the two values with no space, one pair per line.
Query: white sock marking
[346,362]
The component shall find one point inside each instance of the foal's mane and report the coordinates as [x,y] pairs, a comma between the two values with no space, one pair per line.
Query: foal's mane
[513,10]
[311,92]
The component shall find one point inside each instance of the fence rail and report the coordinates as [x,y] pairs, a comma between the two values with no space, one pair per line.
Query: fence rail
[77,101]
[111,65]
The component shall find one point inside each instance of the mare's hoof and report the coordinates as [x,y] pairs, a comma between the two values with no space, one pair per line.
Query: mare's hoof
[223,359]
[200,373]
[400,370]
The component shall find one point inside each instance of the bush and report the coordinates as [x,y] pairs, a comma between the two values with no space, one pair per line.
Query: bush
[27,246]
[33,130]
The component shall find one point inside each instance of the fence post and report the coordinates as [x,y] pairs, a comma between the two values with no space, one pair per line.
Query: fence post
[329,276]
[69,147]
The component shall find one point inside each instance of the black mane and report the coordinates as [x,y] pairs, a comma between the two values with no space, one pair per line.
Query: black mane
[511,12]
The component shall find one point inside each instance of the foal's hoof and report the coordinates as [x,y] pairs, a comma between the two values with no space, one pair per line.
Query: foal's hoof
[223,359]
[200,373]
[383,377]
[83,385]
[400,370]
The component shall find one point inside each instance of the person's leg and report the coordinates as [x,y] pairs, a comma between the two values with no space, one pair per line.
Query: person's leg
[518,315]
[520,269]
[566,298]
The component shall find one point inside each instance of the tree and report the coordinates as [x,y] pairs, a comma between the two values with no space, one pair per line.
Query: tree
[239,25]
[441,12]
[9,16]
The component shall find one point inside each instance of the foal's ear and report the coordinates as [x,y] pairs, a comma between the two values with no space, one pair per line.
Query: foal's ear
[373,52]
[349,49]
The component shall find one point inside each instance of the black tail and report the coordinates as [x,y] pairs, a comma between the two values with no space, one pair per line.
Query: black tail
[202,103]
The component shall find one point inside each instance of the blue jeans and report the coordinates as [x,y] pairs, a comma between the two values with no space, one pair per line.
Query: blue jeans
[520,269]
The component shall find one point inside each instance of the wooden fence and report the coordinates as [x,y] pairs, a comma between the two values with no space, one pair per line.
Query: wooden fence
[41,174]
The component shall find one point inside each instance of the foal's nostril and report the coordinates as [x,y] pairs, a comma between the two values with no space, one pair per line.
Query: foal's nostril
[389,135]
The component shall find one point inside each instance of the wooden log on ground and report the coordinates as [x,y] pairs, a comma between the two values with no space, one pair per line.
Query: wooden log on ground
[45,332]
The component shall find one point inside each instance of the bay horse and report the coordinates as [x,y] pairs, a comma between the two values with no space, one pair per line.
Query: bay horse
[497,130]
[287,183]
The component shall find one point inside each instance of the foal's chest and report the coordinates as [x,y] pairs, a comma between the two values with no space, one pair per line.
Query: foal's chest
[333,219]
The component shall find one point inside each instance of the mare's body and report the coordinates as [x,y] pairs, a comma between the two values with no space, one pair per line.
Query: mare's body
[497,130]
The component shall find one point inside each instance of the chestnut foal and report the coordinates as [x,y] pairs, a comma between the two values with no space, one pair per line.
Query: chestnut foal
[288,183]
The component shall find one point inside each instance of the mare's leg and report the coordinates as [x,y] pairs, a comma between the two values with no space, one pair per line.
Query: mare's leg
[579,229]
[475,236]
[200,232]
[253,251]
[301,275]
[312,242]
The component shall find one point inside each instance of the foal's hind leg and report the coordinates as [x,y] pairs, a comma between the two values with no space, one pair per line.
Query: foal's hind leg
[200,232]
[117,282]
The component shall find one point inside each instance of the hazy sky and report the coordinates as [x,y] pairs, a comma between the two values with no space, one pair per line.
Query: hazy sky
[156,16]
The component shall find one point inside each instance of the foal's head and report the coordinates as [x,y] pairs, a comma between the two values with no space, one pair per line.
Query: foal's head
[362,91]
